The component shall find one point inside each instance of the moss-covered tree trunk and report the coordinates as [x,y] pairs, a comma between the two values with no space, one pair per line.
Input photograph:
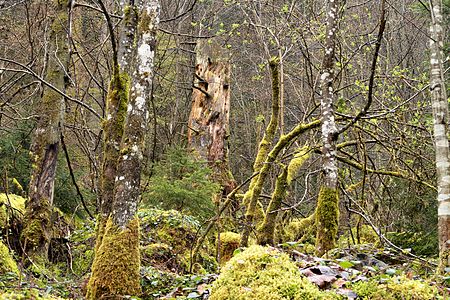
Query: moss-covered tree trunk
[208,125]
[251,196]
[44,150]
[265,233]
[115,270]
[441,119]
[327,212]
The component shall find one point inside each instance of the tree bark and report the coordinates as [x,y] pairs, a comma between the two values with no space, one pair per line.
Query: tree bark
[327,213]
[441,119]
[209,120]
[37,230]
[115,270]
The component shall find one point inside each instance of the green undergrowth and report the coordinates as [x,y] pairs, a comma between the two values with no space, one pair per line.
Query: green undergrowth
[27,294]
[167,238]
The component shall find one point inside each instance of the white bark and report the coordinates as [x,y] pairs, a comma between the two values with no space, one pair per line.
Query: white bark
[441,119]
[127,186]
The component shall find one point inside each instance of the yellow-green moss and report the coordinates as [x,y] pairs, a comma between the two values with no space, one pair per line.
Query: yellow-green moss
[7,263]
[36,233]
[115,270]
[301,230]
[265,232]
[327,218]
[229,242]
[297,162]
[13,205]
[395,288]
[264,273]
[27,294]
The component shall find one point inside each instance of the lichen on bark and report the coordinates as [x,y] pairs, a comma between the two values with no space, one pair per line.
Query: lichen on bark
[116,263]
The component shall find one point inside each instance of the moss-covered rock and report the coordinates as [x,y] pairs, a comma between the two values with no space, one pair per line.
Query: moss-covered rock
[264,273]
[395,288]
[229,242]
[7,263]
[175,234]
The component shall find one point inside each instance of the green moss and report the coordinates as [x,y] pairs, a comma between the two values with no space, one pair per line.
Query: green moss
[36,234]
[264,273]
[297,162]
[266,231]
[7,263]
[179,233]
[115,271]
[28,294]
[395,288]
[12,206]
[229,242]
[327,218]
[302,230]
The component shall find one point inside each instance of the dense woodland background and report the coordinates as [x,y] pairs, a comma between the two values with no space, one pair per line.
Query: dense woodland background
[386,158]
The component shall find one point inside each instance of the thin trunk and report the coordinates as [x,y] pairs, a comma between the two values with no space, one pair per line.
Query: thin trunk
[36,234]
[327,213]
[441,119]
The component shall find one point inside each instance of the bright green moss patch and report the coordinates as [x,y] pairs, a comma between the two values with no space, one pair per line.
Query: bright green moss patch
[11,206]
[327,217]
[115,271]
[229,242]
[264,273]
[7,263]
[395,288]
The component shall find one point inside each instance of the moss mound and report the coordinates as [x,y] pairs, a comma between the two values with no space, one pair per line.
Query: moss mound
[7,263]
[264,273]
[167,237]
[229,242]
[395,288]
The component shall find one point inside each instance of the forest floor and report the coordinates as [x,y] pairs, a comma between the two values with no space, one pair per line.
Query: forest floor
[362,271]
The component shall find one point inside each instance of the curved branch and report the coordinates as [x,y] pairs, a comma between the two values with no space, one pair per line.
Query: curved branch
[48,84]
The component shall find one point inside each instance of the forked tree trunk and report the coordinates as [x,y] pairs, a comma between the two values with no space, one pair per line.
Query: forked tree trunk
[44,150]
[115,270]
[208,126]
[327,212]
[441,119]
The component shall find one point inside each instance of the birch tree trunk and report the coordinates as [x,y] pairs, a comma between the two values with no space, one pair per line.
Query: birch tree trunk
[115,270]
[441,119]
[44,150]
[327,212]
